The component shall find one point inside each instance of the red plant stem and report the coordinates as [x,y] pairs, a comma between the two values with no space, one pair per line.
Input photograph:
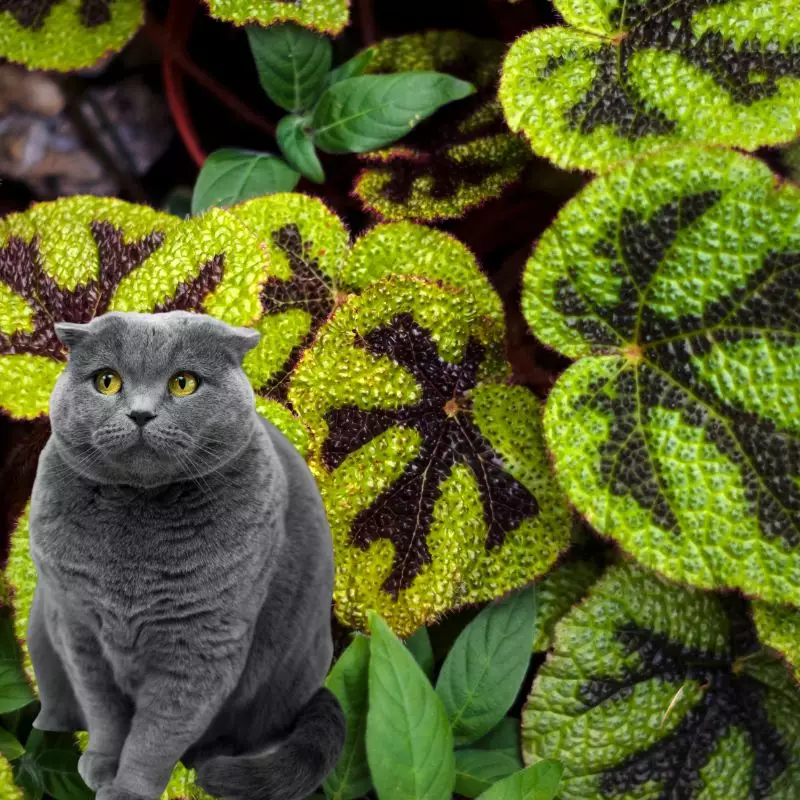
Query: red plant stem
[366,22]
[163,40]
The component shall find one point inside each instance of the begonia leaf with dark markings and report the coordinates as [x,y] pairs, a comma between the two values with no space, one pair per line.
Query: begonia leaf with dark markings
[674,280]
[633,77]
[66,35]
[435,479]
[461,157]
[657,691]
[779,628]
[74,259]
[325,16]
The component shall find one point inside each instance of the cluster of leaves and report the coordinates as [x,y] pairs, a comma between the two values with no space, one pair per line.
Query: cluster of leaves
[337,110]
[67,35]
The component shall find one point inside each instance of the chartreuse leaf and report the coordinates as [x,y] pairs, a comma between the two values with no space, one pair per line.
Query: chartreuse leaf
[432,468]
[349,681]
[370,111]
[419,643]
[655,690]
[483,671]
[10,789]
[230,176]
[540,781]
[631,78]
[779,628]
[409,741]
[674,281]
[66,35]
[461,158]
[326,16]
[297,148]
[292,63]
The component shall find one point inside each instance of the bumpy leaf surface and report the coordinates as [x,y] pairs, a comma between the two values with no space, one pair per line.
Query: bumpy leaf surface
[654,691]
[460,158]
[779,628]
[432,468]
[327,16]
[674,280]
[66,34]
[632,77]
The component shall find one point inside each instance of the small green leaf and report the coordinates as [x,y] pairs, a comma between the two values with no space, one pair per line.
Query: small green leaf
[10,746]
[370,111]
[482,674]
[478,770]
[352,68]
[504,737]
[15,692]
[419,643]
[230,176]
[409,741]
[298,148]
[55,762]
[538,782]
[349,681]
[292,62]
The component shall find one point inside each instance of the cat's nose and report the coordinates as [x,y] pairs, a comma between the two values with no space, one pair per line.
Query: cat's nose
[141,418]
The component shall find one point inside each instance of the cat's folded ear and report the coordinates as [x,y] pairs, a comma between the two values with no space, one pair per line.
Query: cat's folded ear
[72,333]
[241,340]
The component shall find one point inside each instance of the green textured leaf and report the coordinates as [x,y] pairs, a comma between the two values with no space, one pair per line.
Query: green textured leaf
[779,628]
[419,643]
[538,782]
[457,160]
[352,68]
[674,282]
[654,690]
[406,384]
[8,785]
[349,681]
[483,672]
[230,176]
[627,79]
[66,35]
[327,16]
[297,148]
[477,770]
[370,111]
[409,742]
[15,692]
[10,747]
[292,63]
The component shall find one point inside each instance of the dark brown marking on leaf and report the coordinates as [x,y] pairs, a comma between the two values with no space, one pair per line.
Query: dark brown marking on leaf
[190,295]
[731,699]
[403,513]
[95,12]
[748,72]
[28,13]
[309,289]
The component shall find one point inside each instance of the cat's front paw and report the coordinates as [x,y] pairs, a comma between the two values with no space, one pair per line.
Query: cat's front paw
[115,793]
[97,770]
[59,723]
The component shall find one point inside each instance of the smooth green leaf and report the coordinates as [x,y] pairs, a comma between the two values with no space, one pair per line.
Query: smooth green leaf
[15,691]
[503,737]
[482,674]
[419,643]
[230,176]
[351,68]
[370,111]
[54,760]
[540,781]
[178,201]
[292,62]
[29,778]
[10,746]
[477,770]
[349,681]
[409,741]
[298,148]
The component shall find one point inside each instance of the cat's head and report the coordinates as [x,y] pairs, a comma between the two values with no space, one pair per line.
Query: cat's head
[148,399]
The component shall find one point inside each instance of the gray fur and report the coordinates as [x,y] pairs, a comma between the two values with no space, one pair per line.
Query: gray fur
[185,572]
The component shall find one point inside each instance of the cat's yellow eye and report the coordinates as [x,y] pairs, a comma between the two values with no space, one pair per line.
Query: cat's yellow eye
[107,381]
[183,383]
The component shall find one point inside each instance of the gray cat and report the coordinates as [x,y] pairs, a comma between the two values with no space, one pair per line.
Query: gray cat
[185,569]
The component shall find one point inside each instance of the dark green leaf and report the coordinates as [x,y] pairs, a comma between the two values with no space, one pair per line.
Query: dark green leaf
[349,681]
[478,770]
[481,675]
[230,176]
[370,111]
[55,756]
[15,691]
[292,62]
[9,745]
[352,68]
[298,148]
[409,741]
[29,778]
[419,644]
[178,201]
[540,781]
[504,737]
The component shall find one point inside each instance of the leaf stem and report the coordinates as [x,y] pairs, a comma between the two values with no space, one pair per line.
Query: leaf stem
[366,22]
